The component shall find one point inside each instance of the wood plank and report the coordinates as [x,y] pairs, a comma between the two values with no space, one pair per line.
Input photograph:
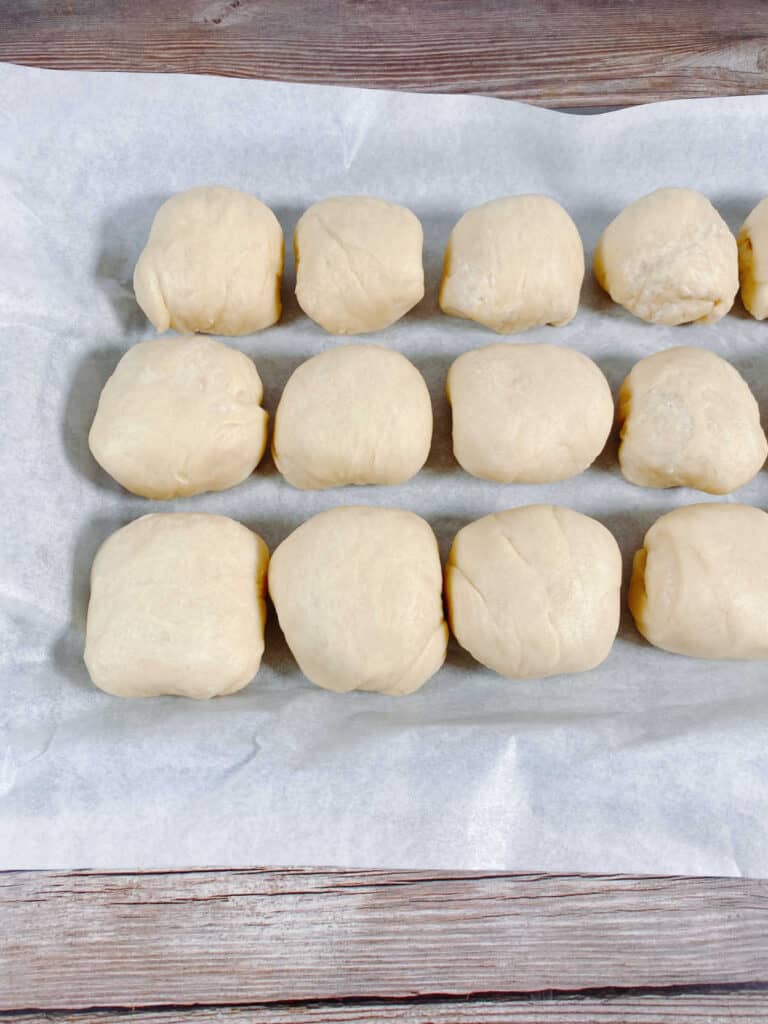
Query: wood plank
[697,1008]
[85,939]
[587,52]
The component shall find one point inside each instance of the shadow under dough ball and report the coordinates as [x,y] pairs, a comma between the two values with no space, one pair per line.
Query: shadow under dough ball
[212,264]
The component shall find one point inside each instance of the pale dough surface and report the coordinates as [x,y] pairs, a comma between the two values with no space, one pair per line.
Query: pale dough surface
[528,413]
[358,595]
[355,414]
[514,263]
[700,582]
[689,420]
[534,591]
[180,416]
[358,263]
[669,258]
[177,607]
[212,264]
[753,261]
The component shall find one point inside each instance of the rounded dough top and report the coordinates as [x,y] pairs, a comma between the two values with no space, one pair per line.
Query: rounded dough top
[358,593]
[699,582]
[180,416]
[358,263]
[212,264]
[356,414]
[669,258]
[177,607]
[534,591]
[753,261]
[514,263]
[689,420]
[528,413]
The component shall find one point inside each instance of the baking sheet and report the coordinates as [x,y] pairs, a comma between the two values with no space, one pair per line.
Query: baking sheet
[651,763]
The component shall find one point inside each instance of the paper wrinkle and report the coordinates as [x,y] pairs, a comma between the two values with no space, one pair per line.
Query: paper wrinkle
[357,121]
[651,763]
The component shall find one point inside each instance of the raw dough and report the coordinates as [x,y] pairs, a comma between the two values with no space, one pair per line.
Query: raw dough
[514,263]
[753,261]
[358,263]
[177,607]
[212,264]
[358,594]
[534,591]
[356,414]
[528,413]
[700,582]
[669,258]
[180,416]
[689,420]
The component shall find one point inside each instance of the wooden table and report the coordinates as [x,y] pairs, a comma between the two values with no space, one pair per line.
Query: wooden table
[268,944]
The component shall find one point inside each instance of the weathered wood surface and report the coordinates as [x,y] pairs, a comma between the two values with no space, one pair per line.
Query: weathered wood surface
[585,52]
[696,1008]
[75,940]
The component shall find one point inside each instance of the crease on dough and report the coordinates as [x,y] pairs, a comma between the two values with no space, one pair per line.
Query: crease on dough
[440,633]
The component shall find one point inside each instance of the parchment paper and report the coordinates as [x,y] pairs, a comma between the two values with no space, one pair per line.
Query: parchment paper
[652,763]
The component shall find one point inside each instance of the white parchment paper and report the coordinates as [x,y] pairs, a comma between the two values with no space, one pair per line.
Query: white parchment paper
[651,763]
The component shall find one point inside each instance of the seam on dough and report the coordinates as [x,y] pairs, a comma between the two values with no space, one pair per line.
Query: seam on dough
[491,617]
[537,574]
[337,241]
[403,673]
[574,573]
[514,549]
[163,299]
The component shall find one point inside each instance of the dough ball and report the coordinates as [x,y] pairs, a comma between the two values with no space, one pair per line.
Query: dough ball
[528,413]
[514,263]
[212,264]
[177,607]
[358,263]
[753,261]
[534,591]
[180,416]
[358,595]
[689,420]
[700,582]
[357,414]
[669,258]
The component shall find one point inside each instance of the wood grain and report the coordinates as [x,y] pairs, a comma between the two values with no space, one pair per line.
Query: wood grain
[701,1008]
[261,936]
[586,52]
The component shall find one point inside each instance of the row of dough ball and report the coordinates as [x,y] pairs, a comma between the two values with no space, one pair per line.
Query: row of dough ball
[181,416]
[178,600]
[214,259]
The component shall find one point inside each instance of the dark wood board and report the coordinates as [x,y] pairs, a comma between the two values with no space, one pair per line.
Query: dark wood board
[557,53]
